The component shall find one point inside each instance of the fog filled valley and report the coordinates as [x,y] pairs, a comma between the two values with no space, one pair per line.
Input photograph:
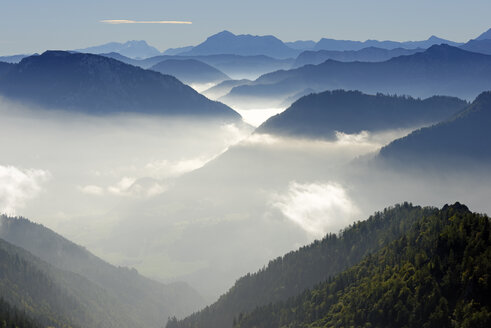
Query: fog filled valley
[247,182]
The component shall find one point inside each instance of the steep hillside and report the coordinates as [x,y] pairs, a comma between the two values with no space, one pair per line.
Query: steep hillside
[144,300]
[461,139]
[288,276]
[435,275]
[55,297]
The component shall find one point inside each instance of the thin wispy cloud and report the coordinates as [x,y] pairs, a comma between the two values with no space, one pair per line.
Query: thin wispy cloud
[127,21]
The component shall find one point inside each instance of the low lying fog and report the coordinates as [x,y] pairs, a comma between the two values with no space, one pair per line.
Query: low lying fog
[168,198]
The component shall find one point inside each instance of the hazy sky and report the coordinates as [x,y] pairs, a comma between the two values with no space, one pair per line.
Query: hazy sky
[34,25]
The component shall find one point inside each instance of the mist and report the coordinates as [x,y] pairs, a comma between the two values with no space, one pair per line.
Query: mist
[202,202]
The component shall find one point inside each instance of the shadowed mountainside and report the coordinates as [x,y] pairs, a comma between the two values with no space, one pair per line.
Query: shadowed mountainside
[434,275]
[146,302]
[321,115]
[98,85]
[463,138]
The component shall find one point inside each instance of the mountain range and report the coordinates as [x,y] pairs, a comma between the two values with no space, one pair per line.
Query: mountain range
[442,70]
[226,42]
[231,65]
[133,49]
[99,85]
[457,141]
[118,295]
[369,54]
[342,45]
[351,112]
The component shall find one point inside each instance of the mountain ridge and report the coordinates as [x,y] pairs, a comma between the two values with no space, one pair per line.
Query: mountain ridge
[441,70]
[99,85]
[454,142]
[324,114]
[144,299]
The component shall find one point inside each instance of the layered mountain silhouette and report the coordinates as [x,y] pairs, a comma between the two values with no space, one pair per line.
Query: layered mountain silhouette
[99,85]
[442,69]
[190,71]
[65,282]
[176,51]
[245,44]
[342,45]
[322,115]
[301,45]
[457,142]
[12,59]
[232,65]
[369,54]
[132,49]
[223,88]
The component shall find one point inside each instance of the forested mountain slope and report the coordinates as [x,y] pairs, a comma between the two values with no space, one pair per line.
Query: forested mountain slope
[291,274]
[146,301]
[435,275]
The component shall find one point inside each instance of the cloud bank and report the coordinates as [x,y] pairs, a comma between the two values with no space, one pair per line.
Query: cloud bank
[317,208]
[17,186]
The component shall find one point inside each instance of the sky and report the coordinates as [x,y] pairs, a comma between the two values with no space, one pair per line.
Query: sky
[28,26]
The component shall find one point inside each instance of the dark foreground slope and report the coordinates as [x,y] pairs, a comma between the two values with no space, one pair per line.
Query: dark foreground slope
[146,302]
[100,85]
[10,316]
[462,139]
[53,297]
[435,275]
[321,115]
[290,275]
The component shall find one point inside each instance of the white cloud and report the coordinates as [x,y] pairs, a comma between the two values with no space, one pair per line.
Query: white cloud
[358,138]
[170,169]
[128,21]
[18,185]
[122,187]
[92,190]
[318,208]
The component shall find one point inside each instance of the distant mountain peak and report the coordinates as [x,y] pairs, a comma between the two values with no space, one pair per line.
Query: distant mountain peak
[485,35]
[223,34]
[438,49]
[132,43]
[226,42]
[434,38]
[132,49]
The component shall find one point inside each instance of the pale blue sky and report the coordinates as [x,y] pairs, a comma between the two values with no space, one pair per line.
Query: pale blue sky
[36,25]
